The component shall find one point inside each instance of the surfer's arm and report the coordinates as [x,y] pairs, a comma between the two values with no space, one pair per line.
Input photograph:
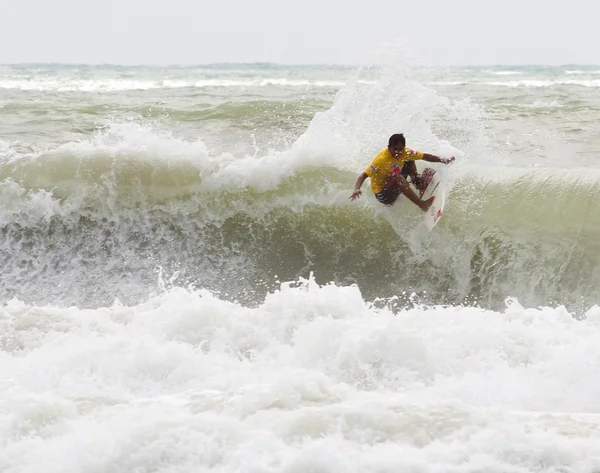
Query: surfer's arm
[434,159]
[359,182]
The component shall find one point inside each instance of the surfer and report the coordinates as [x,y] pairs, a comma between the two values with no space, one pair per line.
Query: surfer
[389,170]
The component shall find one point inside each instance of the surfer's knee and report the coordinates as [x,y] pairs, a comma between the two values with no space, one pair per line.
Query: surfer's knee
[401,180]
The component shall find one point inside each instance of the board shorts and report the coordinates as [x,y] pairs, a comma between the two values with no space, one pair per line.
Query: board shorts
[392,190]
[389,194]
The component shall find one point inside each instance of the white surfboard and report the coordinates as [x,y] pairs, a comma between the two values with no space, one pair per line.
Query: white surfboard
[434,188]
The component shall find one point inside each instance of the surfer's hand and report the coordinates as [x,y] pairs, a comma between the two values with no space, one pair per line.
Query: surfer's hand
[356,194]
[447,161]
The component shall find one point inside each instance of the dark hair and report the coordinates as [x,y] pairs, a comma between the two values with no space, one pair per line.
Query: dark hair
[397,139]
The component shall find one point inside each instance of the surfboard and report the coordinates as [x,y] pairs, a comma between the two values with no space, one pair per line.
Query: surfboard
[435,187]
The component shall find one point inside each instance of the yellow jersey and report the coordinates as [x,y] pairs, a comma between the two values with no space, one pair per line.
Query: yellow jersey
[385,165]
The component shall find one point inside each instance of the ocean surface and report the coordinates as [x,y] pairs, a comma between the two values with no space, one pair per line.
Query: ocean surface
[186,286]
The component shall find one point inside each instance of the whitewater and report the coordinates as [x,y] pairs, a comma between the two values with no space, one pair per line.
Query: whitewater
[186,286]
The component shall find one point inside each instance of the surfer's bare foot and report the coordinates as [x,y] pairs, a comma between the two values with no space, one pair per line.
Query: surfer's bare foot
[425,204]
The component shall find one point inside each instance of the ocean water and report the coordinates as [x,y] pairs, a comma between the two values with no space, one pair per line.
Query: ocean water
[186,286]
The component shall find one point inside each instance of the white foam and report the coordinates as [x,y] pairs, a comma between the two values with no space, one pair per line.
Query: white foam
[120,140]
[578,72]
[133,139]
[27,206]
[504,73]
[312,379]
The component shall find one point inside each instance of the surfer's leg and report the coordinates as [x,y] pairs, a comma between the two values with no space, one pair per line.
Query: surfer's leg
[408,192]
[410,169]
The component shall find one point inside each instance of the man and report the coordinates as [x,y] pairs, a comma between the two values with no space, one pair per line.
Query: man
[389,170]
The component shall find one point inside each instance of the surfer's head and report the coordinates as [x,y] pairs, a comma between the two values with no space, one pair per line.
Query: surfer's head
[396,144]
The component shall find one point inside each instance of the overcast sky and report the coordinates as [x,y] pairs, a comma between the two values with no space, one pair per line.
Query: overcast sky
[302,31]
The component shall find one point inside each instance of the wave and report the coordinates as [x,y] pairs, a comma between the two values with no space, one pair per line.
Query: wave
[504,73]
[582,72]
[89,221]
[533,83]
[543,107]
[115,85]
[120,212]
